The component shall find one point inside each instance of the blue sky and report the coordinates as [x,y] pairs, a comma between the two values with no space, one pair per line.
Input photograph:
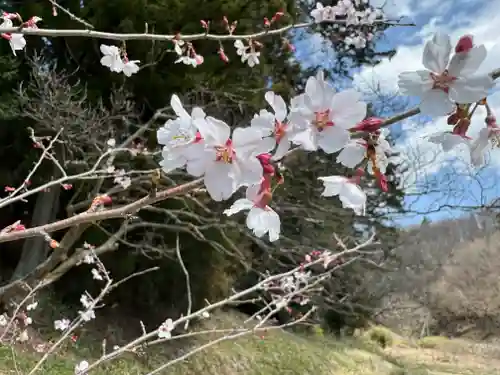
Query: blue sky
[440,186]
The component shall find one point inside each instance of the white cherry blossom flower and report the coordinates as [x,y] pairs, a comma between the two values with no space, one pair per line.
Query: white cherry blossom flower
[96,275]
[32,306]
[358,150]
[81,368]
[227,162]
[87,315]
[112,58]
[62,324]
[165,329]
[3,320]
[179,136]
[261,218]
[130,67]
[325,116]
[23,336]
[350,194]
[275,125]
[17,41]
[190,60]
[480,146]
[447,81]
[86,301]
[247,53]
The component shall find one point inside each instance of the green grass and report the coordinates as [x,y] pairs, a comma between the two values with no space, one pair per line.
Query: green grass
[280,353]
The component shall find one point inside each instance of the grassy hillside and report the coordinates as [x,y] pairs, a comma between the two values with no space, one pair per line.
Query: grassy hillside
[280,353]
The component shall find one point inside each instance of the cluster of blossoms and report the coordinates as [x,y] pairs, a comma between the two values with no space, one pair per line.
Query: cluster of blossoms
[354,13]
[321,118]
[117,61]
[227,160]
[16,41]
[450,86]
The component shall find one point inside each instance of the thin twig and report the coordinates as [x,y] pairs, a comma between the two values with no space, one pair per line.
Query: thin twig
[188,283]
[71,15]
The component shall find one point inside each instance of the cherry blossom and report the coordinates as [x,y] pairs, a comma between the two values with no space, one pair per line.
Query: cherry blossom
[275,124]
[325,116]
[112,58]
[350,194]
[81,368]
[487,138]
[261,218]
[247,53]
[62,324]
[130,67]
[165,329]
[179,136]
[447,81]
[16,41]
[226,162]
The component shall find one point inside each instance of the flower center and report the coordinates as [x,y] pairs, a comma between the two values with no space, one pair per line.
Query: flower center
[225,153]
[279,130]
[442,81]
[322,120]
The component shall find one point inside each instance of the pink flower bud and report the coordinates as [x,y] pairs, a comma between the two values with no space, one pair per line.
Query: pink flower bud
[464,44]
[9,189]
[264,159]
[370,125]
[204,24]
[67,186]
[18,228]
[277,16]
[267,23]
[223,55]
[382,182]
[199,59]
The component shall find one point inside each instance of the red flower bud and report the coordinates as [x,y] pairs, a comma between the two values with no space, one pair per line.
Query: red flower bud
[264,159]
[465,44]
[370,125]
[382,182]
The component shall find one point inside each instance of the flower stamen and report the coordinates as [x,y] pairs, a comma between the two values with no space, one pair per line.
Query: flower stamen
[442,81]
[225,153]
[322,120]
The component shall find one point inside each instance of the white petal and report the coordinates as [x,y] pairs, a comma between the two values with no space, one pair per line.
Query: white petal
[352,154]
[332,184]
[436,103]
[198,113]
[437,53]
[215,132]
[415,83]
[347,109]
[465,64]
[171,162]
[471,89]
[264,121]
[333,139]
[447,140]
[249,141]
[239,205]
[353,197]
[249,171]
[277,104]
[283,147]
[306,139]
[261,221]
[219,181]
[177,107]
[273,224]
[314,92]
[252,192]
